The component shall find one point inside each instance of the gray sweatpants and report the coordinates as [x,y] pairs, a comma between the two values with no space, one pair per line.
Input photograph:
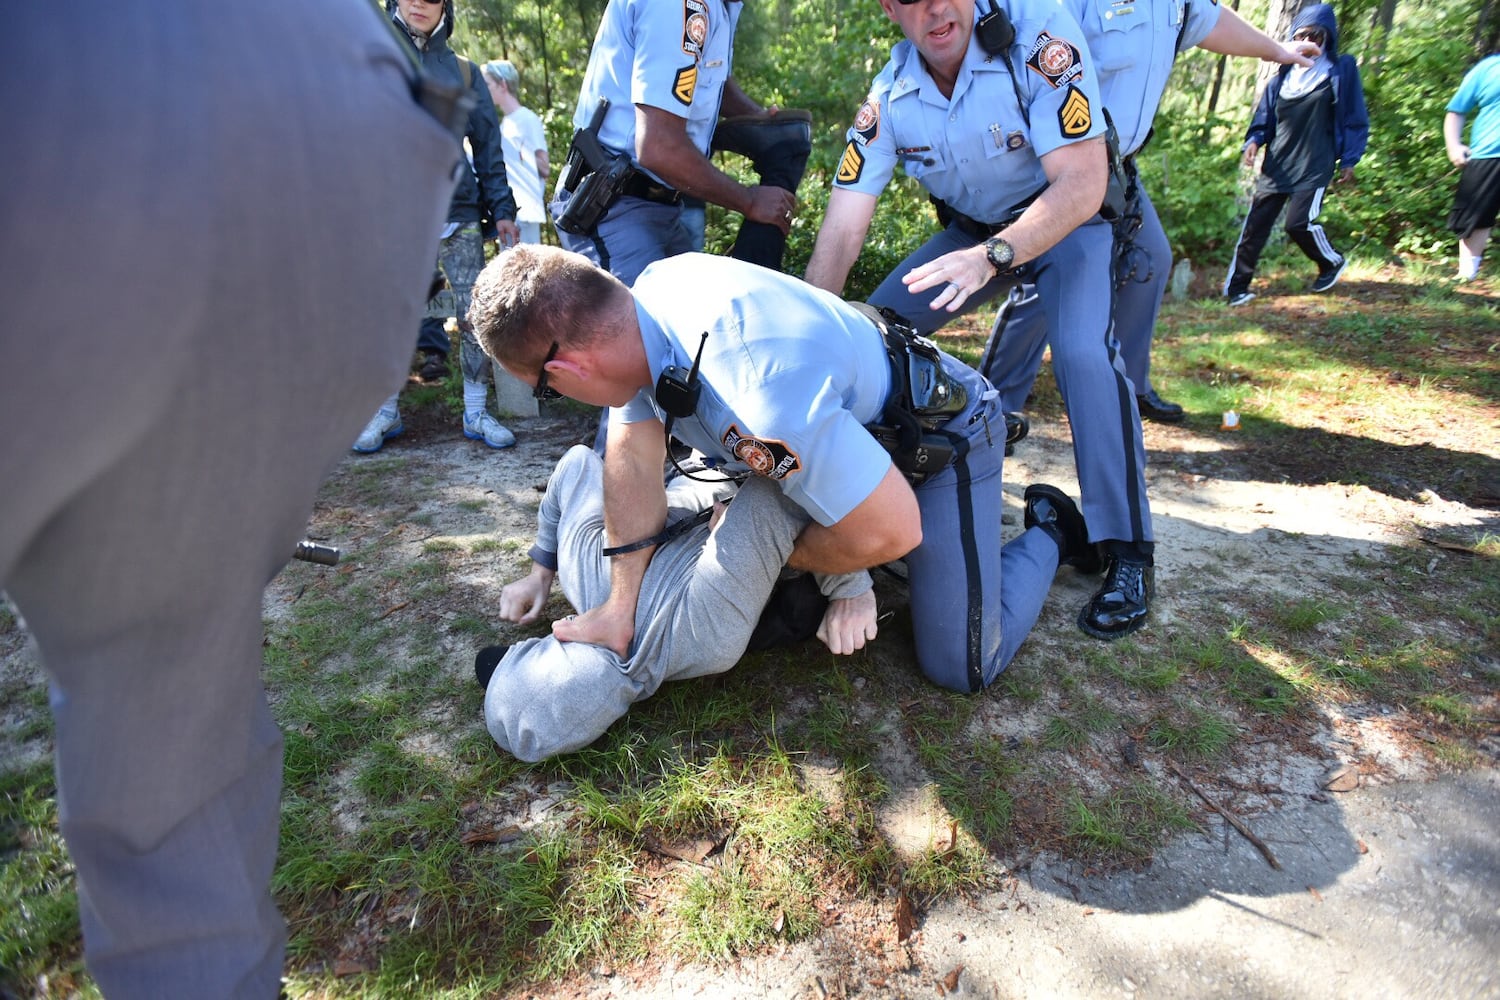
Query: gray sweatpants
[701,598]
[189,193]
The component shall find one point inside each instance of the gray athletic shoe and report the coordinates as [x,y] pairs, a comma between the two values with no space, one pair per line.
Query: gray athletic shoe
[489,430]
[381,428]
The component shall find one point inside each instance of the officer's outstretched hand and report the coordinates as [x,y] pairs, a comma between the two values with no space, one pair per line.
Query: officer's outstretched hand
[961,273]
[602,626]
[523,600]
[849,623]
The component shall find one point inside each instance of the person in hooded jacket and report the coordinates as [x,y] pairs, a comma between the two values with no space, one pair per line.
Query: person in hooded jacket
[1310,120]
[483,195]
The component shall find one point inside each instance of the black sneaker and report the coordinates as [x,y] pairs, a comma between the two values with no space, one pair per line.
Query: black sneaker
[435,367]
[485,662]
[1327,279]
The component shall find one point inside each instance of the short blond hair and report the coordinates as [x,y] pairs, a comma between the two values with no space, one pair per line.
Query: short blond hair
[534,294]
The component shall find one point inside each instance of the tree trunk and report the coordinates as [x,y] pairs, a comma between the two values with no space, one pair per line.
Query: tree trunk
[1279,26]
[1487,29]
[1380,33]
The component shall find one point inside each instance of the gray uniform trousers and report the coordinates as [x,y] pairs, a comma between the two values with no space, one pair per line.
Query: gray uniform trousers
[189,193]
[1072,281]
[973,601]
[1143,269]
[701,598]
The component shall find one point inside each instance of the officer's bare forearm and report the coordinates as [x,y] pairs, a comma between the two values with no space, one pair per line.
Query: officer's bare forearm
[635,503]
[663,147]
[1232,35]
[825,550]
[840,238]
[885,525]
[736,102]
[1077,175]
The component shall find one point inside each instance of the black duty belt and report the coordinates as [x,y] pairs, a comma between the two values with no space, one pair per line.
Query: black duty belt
[642,186]
[923,397]
[973,228]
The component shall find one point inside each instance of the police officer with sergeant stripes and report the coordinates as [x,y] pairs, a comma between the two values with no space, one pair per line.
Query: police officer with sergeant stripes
[657,81]
[997,113]
[1134,46]
[892,448]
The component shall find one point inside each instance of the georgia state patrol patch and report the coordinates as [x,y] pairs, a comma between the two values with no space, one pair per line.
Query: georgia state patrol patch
[1075,117]
[765,458]
[694,27]
[851,164]
[685,84]
[1056,59]
[867,122]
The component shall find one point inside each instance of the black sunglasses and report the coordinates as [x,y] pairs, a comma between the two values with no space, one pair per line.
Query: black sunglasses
[542,390]
[1308,35]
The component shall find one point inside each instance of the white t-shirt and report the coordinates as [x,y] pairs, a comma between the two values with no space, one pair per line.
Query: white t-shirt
[521,136]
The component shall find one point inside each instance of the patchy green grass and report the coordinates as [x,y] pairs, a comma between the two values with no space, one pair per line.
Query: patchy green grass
[728,815]
[1129,823]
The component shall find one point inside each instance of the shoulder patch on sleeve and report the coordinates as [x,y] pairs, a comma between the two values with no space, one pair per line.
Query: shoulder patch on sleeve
[1057,60]
[867,122]
[764,456]
[851,164]
[694,27]
[1075,117]
[685,83]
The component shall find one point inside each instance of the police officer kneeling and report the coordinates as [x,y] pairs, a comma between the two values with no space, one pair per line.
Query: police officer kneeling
[759,370]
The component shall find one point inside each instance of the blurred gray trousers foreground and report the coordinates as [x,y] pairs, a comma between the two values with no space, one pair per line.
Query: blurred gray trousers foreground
[219,222]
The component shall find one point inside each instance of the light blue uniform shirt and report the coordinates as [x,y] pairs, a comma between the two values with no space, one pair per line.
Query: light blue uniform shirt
[1134,43]
[669,54]
[790,375]
[1481,89]
[977,151]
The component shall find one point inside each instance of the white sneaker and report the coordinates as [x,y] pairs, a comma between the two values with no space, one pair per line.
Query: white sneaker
[483,427]
[381,428]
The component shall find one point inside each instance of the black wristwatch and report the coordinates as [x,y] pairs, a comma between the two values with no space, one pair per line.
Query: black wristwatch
[1000,254]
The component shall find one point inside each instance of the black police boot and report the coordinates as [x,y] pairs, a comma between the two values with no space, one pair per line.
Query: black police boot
[1153,407]
[1016,429]
[1050,509]
[485,662]
[1121,604]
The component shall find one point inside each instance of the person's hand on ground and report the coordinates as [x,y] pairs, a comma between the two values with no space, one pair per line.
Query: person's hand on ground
[523,600]
[849,623]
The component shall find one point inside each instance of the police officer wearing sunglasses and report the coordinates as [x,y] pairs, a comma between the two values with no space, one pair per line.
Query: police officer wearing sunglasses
[997,113]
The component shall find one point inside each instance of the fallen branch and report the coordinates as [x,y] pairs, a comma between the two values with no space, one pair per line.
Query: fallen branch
[1230,818]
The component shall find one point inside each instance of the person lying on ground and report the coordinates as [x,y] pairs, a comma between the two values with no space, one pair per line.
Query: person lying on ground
[704,602]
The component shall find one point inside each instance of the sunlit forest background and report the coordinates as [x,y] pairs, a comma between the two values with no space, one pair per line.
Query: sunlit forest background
[821,55]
